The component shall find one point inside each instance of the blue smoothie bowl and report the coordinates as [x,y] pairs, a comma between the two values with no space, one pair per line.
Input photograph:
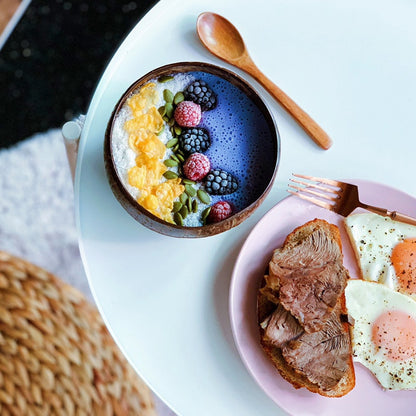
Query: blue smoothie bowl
[243,142]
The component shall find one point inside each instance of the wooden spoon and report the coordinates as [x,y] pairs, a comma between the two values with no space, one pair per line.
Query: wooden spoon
[223,40]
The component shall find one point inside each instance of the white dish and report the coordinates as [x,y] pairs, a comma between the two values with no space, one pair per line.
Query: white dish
[351,66]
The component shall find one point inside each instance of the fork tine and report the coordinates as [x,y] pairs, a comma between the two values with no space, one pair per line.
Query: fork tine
[313,200]
[314,178]
[314,185]
[310,191]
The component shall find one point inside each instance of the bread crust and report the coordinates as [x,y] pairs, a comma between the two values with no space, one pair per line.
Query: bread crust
[264,306]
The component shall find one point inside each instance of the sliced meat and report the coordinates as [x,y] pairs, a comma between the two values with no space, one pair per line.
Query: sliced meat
[323,356]
[272,284]
[311,294]
[310,277]
[270,290]
[313,250]
[280,327]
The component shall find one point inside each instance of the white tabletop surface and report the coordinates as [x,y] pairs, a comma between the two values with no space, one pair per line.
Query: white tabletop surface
[351,65]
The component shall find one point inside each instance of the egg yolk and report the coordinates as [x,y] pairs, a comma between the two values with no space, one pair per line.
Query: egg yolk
[394,333]
[403,258]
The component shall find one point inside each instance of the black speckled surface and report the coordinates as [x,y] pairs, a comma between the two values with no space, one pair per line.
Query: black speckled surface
[53,60]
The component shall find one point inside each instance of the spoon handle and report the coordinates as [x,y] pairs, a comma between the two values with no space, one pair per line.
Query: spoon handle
[301,117]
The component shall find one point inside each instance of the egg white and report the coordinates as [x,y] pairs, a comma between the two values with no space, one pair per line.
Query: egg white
[366,301]
[373,238]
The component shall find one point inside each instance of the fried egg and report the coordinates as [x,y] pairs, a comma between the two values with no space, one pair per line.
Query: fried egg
[384,333]
[385,249]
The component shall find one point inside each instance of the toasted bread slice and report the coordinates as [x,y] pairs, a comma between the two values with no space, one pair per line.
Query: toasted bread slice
[267,303]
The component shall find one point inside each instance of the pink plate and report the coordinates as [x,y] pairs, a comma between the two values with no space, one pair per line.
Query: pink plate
[367,397]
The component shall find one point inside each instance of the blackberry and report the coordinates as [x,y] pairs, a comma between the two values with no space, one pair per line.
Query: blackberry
[194,140]
[201,94]
[220,182]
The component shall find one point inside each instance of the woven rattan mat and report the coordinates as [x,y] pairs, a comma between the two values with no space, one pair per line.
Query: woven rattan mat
[56,356]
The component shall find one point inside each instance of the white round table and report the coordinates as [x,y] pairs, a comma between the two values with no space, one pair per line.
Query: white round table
[351,65]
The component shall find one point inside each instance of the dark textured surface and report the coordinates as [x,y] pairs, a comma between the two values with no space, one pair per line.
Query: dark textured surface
[53,60]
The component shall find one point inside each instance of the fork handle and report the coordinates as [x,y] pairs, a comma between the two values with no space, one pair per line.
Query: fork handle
[394,215]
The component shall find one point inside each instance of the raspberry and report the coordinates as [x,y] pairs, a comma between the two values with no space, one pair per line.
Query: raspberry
[194,140]
[220,211]
[200,93]
[196,166]
[220,182]
[188,114]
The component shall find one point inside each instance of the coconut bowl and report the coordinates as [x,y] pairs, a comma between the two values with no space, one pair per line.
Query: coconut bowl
[244,141]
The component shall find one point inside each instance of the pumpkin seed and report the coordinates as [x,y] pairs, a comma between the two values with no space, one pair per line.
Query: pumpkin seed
[190,190]
[170,175]
[171,122]
[161,131]
[194,205]
[205,213]
[165,78]
[180,157]
[168,95]
[188,181]
[189,204]
[178,218]
[179,97]
[203,196]
[169,110]
[165,118]
[171,143]
[175,149]
[170,163]
[173,156]
[162,110]
[184,211]
[183,198]
[176,206]
[178,130]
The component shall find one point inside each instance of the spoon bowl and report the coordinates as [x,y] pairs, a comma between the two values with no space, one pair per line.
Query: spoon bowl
[223,40]
[220,37]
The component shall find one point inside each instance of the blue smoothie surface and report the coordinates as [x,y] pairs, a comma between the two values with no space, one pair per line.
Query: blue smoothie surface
[242,141]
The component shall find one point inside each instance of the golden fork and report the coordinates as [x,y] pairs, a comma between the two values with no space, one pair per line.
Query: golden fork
[339,197]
